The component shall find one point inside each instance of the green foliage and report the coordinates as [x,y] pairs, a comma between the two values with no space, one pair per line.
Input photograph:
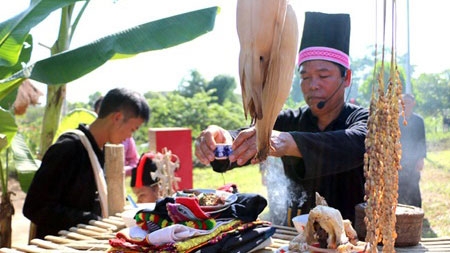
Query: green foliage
[435,193]
[366,88]
[432,92]
[248,179]
[169,31]
[192,86]
[77,105]
[195,105]
[63,67]
[25,164]
[296,95]
[16,44]
[197,112]
[80,61]
[30,125]
[3,173]
[8,130]
[154,94]
[14,31]
[92,99]
[8,126]
[223,87]
[8,98]
[73,119]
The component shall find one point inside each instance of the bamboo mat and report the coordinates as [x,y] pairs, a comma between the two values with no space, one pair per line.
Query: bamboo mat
[94,237]
[284,235]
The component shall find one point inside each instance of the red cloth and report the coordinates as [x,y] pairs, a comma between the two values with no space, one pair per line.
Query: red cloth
[193,205]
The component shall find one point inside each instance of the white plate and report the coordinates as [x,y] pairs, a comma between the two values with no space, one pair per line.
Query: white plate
[285,249]
[230,198]
[300,222]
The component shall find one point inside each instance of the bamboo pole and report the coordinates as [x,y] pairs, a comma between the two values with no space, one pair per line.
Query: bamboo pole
[115,177]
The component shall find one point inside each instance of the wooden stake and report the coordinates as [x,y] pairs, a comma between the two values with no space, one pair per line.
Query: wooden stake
[115,177]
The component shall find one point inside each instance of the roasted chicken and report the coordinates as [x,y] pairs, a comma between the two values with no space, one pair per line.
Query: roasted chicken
[327,231]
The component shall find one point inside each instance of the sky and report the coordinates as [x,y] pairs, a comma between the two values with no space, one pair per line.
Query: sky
[217,52]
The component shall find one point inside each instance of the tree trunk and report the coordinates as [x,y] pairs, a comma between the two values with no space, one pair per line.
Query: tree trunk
[56,94]
[55,98]
[6,213]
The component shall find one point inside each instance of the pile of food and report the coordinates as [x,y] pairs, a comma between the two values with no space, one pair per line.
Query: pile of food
[327,231]
[210,199]
[206,197]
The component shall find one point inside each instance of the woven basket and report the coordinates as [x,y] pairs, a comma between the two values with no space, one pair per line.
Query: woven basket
[408,226]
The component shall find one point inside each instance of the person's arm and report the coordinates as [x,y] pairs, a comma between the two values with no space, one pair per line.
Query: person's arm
[422,145]
[131,155]
[419,164]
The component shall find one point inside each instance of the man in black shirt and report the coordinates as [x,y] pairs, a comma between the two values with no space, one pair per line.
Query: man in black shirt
[321,144]
[65,191]
[414,151]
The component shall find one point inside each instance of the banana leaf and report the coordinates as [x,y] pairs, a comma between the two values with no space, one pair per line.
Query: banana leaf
[16,43]
[26,165]
[73,119]
[14,31]
[164,33]
[8,125]
[9,92]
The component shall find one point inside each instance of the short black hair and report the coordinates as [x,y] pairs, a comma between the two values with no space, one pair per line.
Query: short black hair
[141,175]
[131,103]
[342,69]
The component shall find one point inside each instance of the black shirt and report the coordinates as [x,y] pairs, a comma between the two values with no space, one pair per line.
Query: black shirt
[333,159]
[332,162]
[63,192]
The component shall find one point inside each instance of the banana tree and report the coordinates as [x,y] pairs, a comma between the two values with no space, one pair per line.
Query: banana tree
[66,65]
[8,130]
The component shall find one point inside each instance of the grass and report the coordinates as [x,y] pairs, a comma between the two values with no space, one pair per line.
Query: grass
[247,179]
[434,185]
[435,190]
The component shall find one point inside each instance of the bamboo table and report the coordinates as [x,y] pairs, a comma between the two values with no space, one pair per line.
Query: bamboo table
[283,235]
[94,237]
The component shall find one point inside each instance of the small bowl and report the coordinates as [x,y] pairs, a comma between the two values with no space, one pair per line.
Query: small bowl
[128,217]
[300,222]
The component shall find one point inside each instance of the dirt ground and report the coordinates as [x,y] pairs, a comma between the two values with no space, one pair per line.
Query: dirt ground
[20,225]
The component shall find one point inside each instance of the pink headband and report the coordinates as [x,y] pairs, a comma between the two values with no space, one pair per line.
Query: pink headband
[324,53]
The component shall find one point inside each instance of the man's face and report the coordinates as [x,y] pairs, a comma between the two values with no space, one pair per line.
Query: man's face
[124,128]
[319,80]
[409,105]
